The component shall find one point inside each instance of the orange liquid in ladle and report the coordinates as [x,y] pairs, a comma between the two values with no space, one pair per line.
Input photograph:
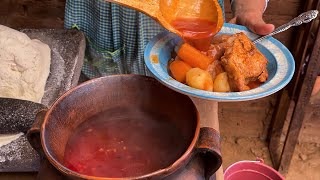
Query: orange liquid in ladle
[197,32]
[194,20]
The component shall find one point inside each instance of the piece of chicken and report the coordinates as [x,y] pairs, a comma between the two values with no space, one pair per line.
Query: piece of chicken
[218,46]
[221,38]
[215,68]
[243,62]
[215,52]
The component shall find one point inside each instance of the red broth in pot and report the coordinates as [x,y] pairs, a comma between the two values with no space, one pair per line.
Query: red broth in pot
[123,143]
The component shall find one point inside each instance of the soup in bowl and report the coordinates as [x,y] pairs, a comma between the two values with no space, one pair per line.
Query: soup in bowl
[280,66]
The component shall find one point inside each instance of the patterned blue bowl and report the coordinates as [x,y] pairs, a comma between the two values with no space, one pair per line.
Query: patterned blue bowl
[280,66]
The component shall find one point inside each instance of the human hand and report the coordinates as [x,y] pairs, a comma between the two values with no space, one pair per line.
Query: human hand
[249,13]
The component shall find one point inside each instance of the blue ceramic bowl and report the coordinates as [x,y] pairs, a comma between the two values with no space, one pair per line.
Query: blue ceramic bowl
[280,66]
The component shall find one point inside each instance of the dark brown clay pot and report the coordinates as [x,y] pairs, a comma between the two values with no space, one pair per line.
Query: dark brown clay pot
[54,126]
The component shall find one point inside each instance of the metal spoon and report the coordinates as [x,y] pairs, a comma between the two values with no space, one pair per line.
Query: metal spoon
[302,18]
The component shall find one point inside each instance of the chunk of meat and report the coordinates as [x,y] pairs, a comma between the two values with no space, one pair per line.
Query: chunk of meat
[215,52]
[222,38]
[215,68]
[218,46]
[243,62]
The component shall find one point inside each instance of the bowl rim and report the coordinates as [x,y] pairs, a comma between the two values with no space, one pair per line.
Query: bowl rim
[282,76]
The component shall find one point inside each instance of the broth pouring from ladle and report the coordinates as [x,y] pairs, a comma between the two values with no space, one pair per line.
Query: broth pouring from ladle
[196,21]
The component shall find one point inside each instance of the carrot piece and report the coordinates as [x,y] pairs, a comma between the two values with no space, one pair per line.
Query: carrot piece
[193,57]
[179,70]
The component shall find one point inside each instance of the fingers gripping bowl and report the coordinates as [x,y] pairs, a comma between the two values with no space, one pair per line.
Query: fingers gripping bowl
[280,66]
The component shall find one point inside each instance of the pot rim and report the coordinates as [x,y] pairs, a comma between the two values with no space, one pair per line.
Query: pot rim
[164,171]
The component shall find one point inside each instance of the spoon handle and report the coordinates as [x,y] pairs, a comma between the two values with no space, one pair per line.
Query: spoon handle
[302,18]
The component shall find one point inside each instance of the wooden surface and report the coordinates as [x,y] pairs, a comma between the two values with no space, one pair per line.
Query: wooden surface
[18,176]
[247,119]
[310,130]
[302,101]
[32,13]
[208,111]
[278,126]
[294,103]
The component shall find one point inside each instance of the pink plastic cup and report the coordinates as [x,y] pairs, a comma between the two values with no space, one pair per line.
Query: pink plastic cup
[251,170]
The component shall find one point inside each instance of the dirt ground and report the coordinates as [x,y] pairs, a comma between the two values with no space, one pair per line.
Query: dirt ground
[244,127]
[305,163]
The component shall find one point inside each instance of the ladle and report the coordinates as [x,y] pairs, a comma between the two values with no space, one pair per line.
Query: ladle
[166,11]
[302,18]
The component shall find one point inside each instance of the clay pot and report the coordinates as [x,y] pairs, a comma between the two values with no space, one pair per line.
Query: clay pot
[54,126]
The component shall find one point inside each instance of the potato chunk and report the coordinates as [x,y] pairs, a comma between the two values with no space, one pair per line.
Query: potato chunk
[199,79]
[221,83]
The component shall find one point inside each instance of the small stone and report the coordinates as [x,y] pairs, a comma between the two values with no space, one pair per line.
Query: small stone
[223,138]
[256,152]
[242,141]
[303,156]
[238,141]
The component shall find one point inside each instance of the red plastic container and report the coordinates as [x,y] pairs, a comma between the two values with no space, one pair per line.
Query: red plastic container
[251,170]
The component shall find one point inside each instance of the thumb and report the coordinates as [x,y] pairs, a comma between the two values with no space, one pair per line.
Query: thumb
[258,26]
